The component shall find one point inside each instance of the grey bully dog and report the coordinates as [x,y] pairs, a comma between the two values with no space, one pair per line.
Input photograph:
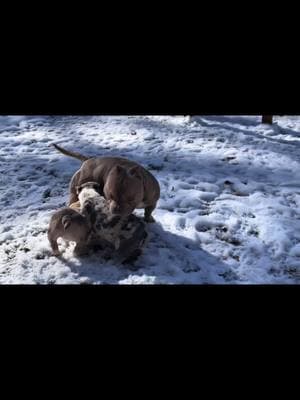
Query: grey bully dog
[124,183]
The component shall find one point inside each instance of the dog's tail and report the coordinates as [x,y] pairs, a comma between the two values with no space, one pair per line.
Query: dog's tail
[70,153]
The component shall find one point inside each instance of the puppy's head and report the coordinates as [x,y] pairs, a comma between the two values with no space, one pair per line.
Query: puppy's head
[70,221]
[88,185]
[88,190]
[124,190]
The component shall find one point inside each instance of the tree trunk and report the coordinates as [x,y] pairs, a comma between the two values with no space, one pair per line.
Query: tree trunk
[267,119]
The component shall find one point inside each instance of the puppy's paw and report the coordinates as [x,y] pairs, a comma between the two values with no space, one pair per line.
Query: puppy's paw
[130,260]
[75,206]
[80,251]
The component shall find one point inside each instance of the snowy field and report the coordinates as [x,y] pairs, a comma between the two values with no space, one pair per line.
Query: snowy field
[229,210]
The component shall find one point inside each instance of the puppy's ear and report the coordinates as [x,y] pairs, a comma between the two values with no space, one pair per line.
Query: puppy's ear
[66,221]
[136,172]
[78,189]
[88,207]
[97,187]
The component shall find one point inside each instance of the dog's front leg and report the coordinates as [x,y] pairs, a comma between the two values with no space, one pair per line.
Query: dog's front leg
[148,211]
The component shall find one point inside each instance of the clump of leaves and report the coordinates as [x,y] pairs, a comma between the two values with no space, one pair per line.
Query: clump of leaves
[47,193]
[156,167]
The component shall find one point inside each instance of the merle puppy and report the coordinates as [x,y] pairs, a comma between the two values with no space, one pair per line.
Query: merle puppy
[122,237]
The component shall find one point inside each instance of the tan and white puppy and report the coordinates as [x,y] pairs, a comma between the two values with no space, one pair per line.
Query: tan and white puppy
[69,225]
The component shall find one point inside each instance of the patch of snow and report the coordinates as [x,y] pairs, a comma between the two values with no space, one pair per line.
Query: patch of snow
[228,212]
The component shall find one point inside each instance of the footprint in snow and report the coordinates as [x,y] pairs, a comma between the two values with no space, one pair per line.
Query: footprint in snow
[181,223]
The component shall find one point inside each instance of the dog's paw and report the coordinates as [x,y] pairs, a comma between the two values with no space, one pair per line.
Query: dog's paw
[149,219]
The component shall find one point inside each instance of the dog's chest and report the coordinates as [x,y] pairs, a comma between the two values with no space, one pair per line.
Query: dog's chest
[141,205]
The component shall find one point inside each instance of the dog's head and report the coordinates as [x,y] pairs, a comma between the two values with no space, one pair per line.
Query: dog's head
[124,189]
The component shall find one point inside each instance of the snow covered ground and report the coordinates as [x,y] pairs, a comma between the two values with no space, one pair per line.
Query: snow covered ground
[230,197]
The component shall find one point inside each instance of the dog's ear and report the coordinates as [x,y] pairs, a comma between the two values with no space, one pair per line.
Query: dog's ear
[97,187]
[119,169]
[136,172]
[66,221]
